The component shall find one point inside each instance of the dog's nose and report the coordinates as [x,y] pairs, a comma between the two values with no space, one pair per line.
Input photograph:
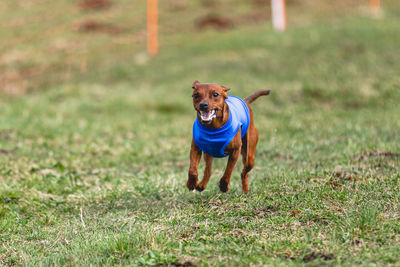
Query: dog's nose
[203,105]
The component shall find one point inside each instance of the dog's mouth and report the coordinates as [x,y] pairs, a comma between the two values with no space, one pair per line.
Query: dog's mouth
[207,116]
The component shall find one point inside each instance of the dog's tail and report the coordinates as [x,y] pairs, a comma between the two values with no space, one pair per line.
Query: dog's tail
[256,95]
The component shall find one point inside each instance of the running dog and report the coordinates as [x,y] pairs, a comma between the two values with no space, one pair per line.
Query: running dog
[224,127]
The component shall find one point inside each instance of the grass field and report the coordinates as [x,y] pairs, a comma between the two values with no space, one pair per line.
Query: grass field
[94,161]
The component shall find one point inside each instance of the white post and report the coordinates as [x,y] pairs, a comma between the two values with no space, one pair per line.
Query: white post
[279,14]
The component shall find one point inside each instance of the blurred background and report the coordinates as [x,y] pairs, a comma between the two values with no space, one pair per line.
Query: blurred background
[46,43]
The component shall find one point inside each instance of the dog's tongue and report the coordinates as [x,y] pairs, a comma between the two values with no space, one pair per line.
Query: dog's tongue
[206,115]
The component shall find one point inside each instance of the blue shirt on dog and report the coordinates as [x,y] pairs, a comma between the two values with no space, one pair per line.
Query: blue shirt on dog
[214,141]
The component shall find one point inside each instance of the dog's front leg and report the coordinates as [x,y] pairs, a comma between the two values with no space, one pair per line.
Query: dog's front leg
[195,156]
[207,172]
[233,158]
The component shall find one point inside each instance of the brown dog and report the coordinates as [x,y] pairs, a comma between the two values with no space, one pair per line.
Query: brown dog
[214,113]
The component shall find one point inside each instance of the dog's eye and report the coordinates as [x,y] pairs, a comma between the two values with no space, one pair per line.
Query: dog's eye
[215,95]
[195,96]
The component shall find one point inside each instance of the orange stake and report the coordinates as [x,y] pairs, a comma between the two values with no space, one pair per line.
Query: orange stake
[152,27]
[375,5]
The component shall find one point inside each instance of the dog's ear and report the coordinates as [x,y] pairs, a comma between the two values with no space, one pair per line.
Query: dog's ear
[226,89]
[196,82]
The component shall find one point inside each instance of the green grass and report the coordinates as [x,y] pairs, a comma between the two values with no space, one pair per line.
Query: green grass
[93,168]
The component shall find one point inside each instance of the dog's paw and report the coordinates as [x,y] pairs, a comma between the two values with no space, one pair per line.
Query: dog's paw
[200,187]
[245,189]
[223,186]
[191,185]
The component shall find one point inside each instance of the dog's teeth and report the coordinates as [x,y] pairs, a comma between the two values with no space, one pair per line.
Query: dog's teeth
[207,115]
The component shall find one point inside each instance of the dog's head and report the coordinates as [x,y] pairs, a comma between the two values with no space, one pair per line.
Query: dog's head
[209,100]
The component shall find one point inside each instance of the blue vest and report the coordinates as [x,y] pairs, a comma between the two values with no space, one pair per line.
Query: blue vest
[214,141]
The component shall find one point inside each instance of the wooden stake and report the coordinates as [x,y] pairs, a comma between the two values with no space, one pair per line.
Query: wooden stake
[279,14]
[152,27]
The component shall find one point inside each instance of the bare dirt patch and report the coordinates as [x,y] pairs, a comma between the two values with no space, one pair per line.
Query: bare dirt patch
[94,4]
[377,153]
[283,156]
[209,3]
[215,203]
[296,212]
[220,22]
[313,256]
[185,264]
[7,200]
[274,155]
[5,151]
[343,175]
[318,255]
[214,21]
[6,134]
[265,211]
[93,26]
[318,221]
[333,183]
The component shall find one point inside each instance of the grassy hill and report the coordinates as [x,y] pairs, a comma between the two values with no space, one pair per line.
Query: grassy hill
[95,136]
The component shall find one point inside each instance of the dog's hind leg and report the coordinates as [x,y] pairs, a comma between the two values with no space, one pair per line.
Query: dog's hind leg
[224,182]
[248,155]
[207,173]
